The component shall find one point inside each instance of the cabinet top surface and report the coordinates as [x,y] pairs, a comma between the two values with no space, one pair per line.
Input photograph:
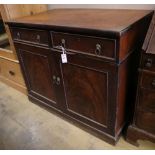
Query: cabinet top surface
[95,19]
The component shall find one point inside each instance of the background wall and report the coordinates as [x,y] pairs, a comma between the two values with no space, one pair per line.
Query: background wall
[104,6]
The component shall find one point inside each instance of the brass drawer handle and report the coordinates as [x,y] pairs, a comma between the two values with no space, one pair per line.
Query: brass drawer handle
[148,63]
[38,38]
[11,73]
[18,35]
[98,49]
[63,42]
[153,83]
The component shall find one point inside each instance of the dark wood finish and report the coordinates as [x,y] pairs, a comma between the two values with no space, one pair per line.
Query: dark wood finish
[145,120]
[147,80]
[142,125]
[85,44]
[87,84]
[38,70]
[148,62]
[93,19]
[102,52]
[146,99]
[75,21]
[30,35]
[132,36]
[134,134]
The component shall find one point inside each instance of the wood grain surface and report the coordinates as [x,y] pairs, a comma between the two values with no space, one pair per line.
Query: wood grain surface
[99,19]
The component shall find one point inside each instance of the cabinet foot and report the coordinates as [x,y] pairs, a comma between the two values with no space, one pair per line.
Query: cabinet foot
[134,134]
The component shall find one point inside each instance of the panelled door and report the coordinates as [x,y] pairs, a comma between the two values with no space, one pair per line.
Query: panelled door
[39,72]
[89,87]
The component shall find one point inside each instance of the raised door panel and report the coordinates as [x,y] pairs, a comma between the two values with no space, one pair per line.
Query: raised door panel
[86,92]
[90,90]
[38,71]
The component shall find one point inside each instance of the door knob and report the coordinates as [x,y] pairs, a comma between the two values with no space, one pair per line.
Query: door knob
[54,79]
[58,81]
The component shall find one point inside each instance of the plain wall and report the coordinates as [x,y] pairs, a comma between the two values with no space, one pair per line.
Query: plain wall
[104,6]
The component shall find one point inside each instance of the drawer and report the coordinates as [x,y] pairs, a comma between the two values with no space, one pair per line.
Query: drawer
[147,80]
[148,62]
[11,70]
[147,99]
[85,44]
[30,35]
[146,121]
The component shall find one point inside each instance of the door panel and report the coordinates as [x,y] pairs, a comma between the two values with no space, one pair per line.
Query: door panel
[38,71]
[86,92]
[90,88]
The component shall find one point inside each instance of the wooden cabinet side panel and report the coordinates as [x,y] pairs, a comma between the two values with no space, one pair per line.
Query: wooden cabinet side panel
[133,38]
[127,87]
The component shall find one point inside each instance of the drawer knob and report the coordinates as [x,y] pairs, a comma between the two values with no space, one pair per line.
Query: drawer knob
[11,73]
[153,83]
[98,49]
[63,42]
[38,38]
[18,35]
[148,63]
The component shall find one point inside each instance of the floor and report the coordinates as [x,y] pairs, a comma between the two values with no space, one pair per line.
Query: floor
[24,125]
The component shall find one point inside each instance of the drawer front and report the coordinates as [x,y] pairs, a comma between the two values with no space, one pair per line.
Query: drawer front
[30,35]
[11,70]
[147,99]
[85,44]
[148,62]
[147,80]
[146,121]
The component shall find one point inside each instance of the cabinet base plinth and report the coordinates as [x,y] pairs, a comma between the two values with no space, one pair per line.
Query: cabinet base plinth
[134,134]
[102,135]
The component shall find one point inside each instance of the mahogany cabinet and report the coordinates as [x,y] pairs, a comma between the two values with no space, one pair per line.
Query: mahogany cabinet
[143,123]
[102,51]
